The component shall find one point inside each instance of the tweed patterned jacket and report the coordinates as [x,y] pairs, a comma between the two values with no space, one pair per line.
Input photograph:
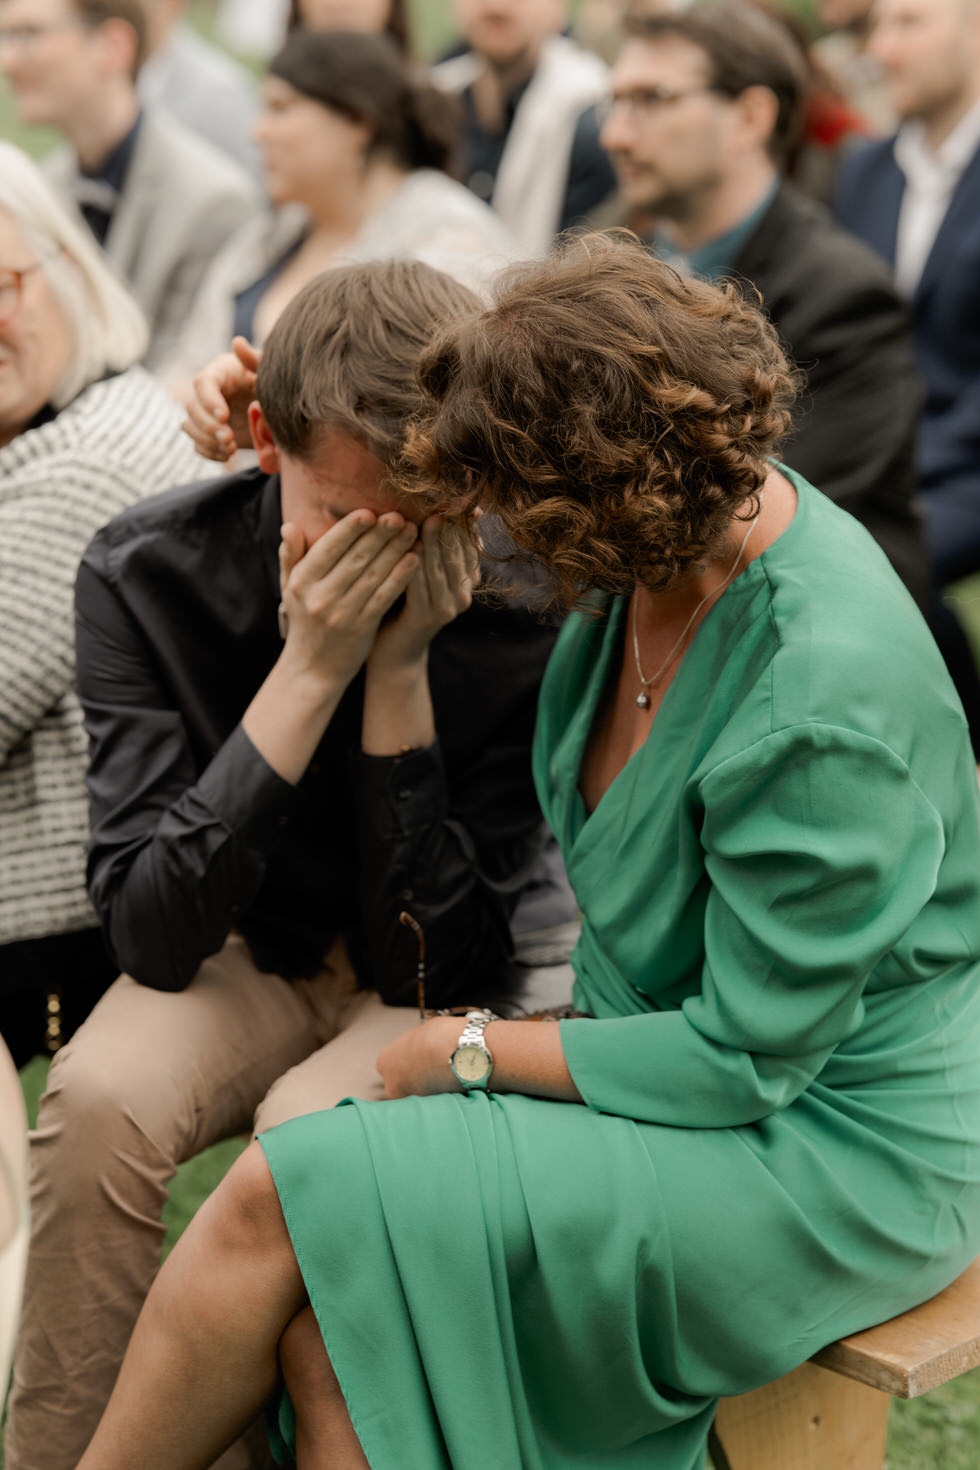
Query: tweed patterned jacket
[117,442]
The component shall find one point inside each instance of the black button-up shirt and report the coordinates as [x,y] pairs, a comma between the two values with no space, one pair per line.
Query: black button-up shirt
[193,833]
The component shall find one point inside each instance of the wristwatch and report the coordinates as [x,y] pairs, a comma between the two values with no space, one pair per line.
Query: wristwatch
[472,1061]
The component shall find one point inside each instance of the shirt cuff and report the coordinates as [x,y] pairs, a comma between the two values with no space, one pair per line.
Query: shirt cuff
[403,794]
[246,794]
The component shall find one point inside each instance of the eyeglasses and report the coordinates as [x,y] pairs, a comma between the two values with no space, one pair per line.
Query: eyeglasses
[25,38]
[11,290]
[641,103]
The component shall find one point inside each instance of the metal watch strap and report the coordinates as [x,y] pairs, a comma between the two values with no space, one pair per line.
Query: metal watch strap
[472,1036]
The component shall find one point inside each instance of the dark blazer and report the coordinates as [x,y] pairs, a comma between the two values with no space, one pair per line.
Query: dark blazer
[945,308]
[836,310]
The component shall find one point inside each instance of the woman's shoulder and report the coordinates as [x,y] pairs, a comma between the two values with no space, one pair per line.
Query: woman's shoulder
[849,647]
[122,433]
[430,211]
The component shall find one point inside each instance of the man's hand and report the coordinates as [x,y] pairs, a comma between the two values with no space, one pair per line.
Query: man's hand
[442,588]
[335,592]
[217,411]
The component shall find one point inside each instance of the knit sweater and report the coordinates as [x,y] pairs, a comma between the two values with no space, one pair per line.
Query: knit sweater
[117,442]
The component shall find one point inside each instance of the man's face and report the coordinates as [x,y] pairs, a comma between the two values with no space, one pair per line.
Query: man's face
[929,51]
[338,477]
[504,30]
[50,56]
[35,339]
[838,14]
[667,134]
[345,15]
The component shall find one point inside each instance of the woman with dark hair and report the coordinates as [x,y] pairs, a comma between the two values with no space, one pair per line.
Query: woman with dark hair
[357,150]
[562,1243]
[387,16]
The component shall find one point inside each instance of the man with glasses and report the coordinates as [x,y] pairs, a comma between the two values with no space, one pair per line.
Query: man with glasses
[160,199]
[705,104]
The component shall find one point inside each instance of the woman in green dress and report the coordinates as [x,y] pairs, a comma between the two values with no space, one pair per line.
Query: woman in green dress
[766,1132]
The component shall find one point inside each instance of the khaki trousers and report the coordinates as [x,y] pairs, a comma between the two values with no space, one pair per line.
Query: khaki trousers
[148,1081]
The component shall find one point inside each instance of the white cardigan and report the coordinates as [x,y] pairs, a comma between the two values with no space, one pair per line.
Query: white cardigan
[117,442]
[530,187]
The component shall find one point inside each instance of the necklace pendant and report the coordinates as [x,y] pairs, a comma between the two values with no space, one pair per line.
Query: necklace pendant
[643,699]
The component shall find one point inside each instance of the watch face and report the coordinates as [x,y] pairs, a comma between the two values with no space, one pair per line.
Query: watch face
[471,1064]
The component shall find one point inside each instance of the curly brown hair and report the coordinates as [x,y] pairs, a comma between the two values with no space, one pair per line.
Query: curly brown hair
[616,416]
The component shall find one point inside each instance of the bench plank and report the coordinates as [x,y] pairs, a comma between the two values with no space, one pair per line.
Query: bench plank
[919,1350]
[805,1421]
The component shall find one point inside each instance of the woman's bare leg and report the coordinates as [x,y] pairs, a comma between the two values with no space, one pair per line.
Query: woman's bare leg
[203,1356]
[325,1438]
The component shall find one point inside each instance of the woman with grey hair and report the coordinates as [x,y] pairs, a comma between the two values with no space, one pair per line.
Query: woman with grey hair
[84,432]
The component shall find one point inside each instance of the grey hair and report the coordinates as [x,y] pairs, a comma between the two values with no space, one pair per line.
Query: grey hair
[107,327]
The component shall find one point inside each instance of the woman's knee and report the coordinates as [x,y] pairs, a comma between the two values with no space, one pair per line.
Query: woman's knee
[244,1215]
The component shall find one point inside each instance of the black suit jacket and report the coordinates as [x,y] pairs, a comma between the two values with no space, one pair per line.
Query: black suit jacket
[832,301]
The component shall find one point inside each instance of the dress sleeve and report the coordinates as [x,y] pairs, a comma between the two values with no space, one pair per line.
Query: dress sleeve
[819,852]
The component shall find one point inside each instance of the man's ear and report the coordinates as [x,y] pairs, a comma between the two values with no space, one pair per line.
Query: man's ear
[265,446]
[119,45]
[758,109]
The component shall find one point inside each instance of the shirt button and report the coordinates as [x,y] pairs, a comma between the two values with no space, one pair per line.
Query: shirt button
[283,821]
[404,793]
[407,895]
[236,908]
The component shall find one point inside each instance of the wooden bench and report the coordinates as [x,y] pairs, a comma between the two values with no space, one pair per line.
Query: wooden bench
[832,1413]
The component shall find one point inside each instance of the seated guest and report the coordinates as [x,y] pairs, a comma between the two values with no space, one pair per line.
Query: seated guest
[286,754]
[355,150]
[158,197]
[704,105]
[83,434]
[915,198]
[389,16]
[197,82]
[772,827]
[531,144]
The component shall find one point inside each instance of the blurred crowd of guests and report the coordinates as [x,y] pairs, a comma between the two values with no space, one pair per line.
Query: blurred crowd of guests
[838,180]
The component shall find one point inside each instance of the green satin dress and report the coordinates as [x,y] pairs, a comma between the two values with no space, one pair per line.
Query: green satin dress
[781,1143]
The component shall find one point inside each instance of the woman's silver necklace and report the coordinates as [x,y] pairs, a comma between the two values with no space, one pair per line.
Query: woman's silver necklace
[643,698]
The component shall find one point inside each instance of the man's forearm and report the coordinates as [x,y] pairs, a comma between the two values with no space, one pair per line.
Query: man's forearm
[398,713]
[288,717]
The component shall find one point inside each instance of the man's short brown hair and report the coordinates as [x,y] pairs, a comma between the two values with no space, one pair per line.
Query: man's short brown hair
[745,48]
[133,12]
[344,353]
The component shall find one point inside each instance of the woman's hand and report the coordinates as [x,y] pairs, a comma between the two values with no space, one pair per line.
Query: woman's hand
[416,1064]
[442,588]
[217,410]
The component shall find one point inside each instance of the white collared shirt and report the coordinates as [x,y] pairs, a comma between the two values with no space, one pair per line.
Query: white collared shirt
[931,177]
